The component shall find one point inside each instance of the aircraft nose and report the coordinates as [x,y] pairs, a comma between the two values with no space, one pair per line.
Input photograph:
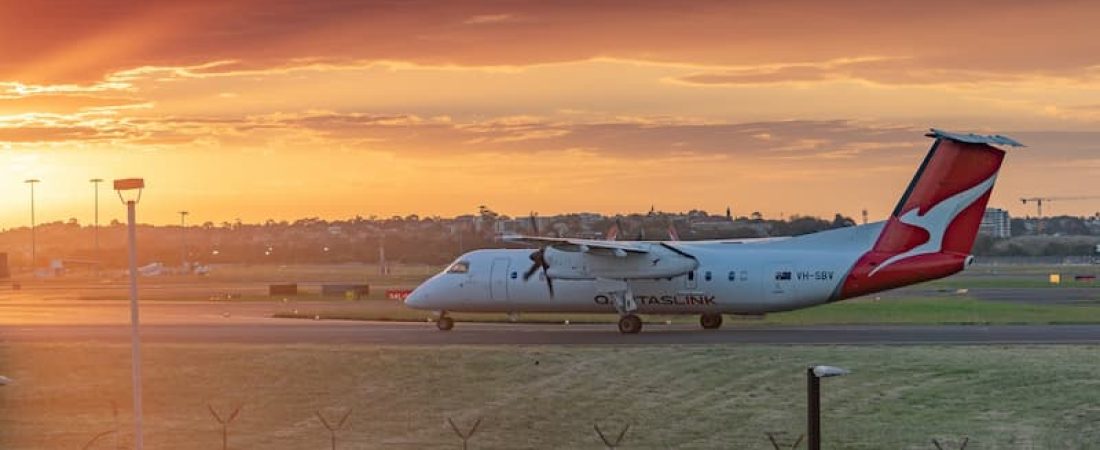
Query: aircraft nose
[418,298]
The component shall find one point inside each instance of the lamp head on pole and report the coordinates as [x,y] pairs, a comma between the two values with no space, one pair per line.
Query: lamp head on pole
[31,181]
[829,371]
[129,189]
[95,180]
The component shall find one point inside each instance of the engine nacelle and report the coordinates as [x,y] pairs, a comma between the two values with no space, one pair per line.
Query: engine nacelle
[658,262]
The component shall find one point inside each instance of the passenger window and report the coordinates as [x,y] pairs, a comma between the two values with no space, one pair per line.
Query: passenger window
[691,276]
[459,267]
[744,275]
[733,276]
[706,276]
[514,275]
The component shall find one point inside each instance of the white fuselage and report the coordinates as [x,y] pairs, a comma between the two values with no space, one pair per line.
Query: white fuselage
[730,277]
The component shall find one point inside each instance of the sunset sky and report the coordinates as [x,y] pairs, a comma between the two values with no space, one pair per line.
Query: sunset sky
[279,109]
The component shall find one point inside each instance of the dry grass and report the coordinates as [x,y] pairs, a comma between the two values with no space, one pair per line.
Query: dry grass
[548,397]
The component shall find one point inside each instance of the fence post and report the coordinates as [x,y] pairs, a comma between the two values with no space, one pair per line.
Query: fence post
[608,442]
[777,445]
[467,435]
[333,428]
[224,423]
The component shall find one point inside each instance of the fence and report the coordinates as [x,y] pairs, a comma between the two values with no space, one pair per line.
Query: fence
[611,435]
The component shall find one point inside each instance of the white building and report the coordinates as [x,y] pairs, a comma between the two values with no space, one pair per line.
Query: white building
[996,223]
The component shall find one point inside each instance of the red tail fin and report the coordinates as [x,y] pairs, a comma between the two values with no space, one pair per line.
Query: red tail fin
[933,228]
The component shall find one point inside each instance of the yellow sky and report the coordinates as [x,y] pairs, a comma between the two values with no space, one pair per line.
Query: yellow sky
[257,110]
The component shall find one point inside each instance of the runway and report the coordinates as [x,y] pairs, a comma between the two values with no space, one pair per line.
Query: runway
[296,331]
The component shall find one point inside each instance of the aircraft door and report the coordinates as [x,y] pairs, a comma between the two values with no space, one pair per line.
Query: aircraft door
[498,281]
[690,282]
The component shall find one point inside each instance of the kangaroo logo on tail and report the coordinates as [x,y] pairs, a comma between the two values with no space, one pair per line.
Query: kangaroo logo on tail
[936,221]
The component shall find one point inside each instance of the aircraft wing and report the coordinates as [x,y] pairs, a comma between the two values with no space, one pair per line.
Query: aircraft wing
[618,248]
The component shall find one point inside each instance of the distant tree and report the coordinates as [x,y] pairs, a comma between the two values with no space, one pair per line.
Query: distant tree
[983,245]
[840,221]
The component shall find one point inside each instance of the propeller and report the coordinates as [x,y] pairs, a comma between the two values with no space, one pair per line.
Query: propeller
[538,260]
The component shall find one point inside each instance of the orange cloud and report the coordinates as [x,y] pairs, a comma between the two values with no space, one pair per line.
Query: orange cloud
[83,41]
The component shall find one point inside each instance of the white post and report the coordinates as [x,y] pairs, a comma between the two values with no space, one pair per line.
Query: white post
[135,336]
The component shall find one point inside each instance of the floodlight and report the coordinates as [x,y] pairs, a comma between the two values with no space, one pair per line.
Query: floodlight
[132,188]
[129,185]
[814,374]
[829,371]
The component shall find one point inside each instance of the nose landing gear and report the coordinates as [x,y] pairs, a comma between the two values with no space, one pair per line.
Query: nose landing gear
[710,321]
[445,323]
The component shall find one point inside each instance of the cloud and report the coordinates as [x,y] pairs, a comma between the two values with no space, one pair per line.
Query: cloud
[489,19]
[417,136]
[637,137]
[84,41]
[883,71]
[50,134]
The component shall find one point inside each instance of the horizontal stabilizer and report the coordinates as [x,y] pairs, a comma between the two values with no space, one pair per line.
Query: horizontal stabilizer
[971,138]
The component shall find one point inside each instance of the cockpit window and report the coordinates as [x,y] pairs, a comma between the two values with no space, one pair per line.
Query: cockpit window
[459,267]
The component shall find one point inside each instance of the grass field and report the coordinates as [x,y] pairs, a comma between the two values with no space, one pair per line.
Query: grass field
[1015,397]
[913,310]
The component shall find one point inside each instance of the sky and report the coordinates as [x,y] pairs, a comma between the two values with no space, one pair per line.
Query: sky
[258,110]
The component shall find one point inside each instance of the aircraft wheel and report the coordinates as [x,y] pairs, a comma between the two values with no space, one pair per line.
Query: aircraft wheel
[630,324]
[710,321]
[445,323]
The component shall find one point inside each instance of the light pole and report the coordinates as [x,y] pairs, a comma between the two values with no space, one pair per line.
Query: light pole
[814,374]
[34,252]
[95,227]
[132,187]
[183,239]
[382,254]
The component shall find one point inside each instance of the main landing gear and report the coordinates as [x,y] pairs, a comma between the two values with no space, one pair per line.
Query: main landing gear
[710,321]
[630,324]
[445,322]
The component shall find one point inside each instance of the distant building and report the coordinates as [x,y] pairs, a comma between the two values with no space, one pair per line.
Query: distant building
[996,223]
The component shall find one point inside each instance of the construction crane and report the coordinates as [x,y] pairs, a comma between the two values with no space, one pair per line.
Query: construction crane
[1038,201]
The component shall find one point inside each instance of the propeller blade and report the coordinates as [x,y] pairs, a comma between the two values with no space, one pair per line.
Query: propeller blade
[534,224]
[530,271]
[536,262]
[546,271]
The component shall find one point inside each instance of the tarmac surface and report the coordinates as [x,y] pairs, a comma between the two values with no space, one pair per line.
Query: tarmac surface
[250,323]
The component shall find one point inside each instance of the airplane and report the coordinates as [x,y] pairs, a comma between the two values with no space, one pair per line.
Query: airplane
[929,235]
